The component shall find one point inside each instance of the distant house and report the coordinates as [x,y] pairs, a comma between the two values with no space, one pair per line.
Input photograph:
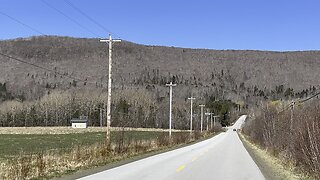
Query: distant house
[79,122]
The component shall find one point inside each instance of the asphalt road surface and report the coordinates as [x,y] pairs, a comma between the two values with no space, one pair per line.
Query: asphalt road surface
[221,157]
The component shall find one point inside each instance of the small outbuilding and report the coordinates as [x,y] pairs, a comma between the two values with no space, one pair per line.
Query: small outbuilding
[79,123]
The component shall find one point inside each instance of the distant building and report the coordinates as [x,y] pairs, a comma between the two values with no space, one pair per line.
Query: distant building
[79,122]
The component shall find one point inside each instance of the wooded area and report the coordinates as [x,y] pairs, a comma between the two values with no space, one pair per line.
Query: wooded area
[130,108]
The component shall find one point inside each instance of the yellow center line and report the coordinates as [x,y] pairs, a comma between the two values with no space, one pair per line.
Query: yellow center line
[180,168]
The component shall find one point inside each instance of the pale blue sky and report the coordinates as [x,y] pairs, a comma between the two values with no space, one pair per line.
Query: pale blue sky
[214,24]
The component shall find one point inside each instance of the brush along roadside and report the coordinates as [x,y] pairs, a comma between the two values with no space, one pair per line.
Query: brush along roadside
[70,130]
[271,167]
[50,164]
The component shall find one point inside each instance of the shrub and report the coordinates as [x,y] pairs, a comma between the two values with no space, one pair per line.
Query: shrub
[297,140]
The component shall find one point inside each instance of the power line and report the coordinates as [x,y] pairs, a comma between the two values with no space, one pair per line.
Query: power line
[309,98]
[25,25]
[284,109]
[44,68]
[68,17]
[35,30]
[90,18]
[299,101]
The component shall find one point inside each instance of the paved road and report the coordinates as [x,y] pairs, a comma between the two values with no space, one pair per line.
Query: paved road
[221,157]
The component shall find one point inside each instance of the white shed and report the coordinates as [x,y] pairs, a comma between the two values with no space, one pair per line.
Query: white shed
[79,123]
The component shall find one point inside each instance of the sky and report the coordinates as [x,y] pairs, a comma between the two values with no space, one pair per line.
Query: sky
[277,25]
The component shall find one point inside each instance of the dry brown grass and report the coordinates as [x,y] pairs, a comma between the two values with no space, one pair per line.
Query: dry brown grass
[296,142]
[271,167]
[69,130]
[52,163]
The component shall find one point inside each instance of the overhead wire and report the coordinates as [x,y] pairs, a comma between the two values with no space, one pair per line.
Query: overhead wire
[298,101]
[90,18]
[39,32]
[20,22]
[285,108]
[32,64]
[71,19]
[309,98]
[44,68]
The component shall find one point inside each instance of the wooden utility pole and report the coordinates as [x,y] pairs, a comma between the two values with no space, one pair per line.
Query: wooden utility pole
[191,99]
[291,118]
[201,123]
[214,120]
[207,114]
[211,120]
[110,41]
[101,116]
[170,113]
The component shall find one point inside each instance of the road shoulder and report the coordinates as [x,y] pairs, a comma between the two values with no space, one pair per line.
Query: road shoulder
[271,167]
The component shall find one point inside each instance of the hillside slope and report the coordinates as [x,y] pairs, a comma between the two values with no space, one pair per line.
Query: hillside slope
[229,73]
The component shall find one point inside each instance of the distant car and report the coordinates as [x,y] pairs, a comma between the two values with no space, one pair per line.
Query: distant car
[234,129]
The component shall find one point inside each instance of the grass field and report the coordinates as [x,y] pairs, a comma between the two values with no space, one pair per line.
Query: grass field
[69,130]
[27,156]
[13,144]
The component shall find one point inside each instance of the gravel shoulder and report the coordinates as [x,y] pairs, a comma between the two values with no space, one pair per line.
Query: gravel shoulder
[271,167]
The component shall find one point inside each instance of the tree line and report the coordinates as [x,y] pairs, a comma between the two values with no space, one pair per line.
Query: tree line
[130,108]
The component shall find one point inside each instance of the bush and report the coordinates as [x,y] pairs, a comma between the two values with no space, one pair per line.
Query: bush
[50,163]
[295,140]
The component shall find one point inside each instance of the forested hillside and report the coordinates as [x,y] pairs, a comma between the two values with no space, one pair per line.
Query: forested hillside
[227,77]
[225,73]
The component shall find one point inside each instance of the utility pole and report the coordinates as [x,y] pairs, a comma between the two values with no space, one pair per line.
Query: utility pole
[214,120]
[201,123]
[211,120]
[101,116]
[207,114]
[207,123]
[291,125]
[110,41]
[191,99]
[170,115]
[291,119]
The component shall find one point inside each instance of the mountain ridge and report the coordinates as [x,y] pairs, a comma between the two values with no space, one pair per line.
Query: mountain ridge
[219,71]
